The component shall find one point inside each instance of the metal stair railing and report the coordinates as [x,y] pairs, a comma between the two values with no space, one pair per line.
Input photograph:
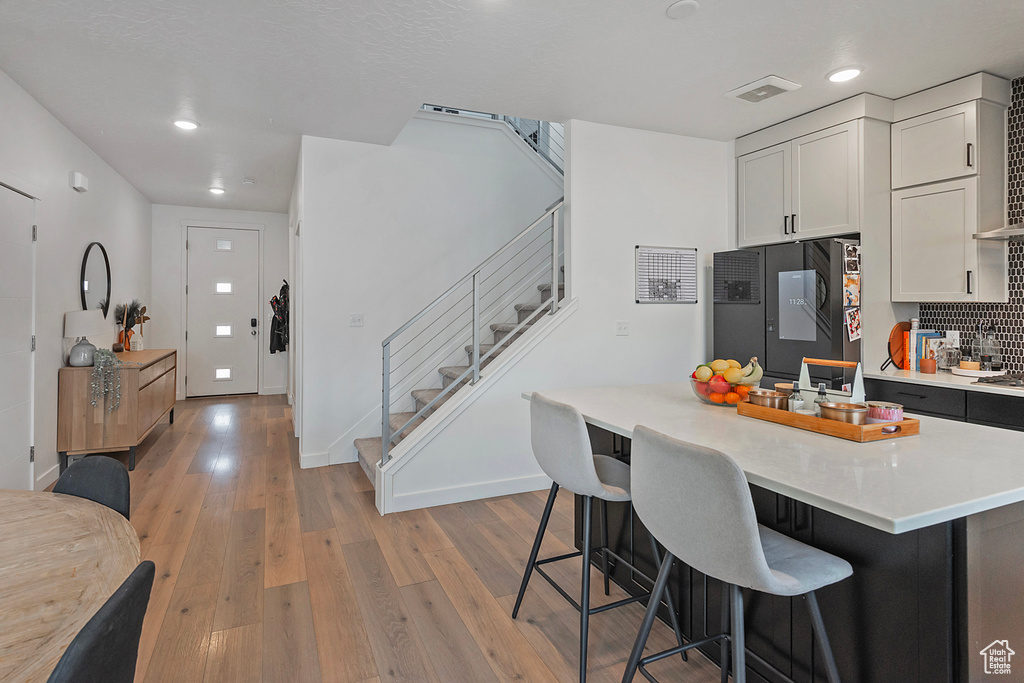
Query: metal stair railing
[442,331]
[547,138]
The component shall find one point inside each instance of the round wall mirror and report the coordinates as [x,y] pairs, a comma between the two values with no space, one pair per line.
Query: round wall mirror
[95,280]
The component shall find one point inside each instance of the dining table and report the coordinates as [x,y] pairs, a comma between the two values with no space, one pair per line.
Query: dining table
[61,558]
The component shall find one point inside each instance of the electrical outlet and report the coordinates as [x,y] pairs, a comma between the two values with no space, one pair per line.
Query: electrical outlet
[355,320]
[953,337]
[622,328]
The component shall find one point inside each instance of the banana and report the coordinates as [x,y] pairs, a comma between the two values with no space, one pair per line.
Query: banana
[752,373]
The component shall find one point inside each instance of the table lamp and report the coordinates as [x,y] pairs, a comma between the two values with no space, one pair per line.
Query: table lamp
[79,325]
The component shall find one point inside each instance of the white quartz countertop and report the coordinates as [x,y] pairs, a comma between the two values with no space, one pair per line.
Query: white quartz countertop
[950,470]
[943,379]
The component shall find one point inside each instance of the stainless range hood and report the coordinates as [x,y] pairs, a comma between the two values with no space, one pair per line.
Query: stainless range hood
[1005,234]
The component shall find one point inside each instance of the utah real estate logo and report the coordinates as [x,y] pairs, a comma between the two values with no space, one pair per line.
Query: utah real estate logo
[997,657]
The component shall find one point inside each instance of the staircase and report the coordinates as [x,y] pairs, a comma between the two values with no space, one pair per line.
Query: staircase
[508,294]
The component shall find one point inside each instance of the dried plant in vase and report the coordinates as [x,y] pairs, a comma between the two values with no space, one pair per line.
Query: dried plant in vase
[127,316]
[106,379]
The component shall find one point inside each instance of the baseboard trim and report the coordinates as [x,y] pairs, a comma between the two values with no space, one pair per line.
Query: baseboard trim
[466,492]
[272,391]
[46,478]
[309,460]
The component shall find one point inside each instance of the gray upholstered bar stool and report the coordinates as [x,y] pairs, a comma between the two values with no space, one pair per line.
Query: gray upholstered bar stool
[697,502]
[563,450]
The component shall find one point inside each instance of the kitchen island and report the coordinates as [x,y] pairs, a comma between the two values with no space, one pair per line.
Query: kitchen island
[933,525]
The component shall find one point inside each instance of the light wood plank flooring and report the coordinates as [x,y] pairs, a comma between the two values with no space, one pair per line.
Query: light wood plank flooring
[266,572]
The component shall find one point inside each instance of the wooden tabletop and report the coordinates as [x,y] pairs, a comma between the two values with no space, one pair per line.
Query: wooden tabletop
[61,557]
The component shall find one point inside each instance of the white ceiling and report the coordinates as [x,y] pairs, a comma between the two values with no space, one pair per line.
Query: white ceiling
[258,74]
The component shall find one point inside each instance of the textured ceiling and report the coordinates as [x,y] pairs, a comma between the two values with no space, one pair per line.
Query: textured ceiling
[259,73]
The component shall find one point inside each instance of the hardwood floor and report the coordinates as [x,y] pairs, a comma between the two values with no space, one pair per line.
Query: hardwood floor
[266,572]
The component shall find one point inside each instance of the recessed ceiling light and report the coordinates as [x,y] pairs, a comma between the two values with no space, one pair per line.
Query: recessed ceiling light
[847,73]
[186,124]
[217,190]
[682,9]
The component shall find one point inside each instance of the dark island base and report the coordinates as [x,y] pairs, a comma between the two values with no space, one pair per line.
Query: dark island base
[900,616]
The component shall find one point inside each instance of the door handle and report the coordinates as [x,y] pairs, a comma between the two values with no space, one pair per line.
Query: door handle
[792,223]
[785,225]
[970,155]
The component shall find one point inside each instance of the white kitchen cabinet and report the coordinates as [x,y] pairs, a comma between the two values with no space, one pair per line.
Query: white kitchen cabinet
[801,189]
[934,254]
[764,200]
[825,183]
[954,142]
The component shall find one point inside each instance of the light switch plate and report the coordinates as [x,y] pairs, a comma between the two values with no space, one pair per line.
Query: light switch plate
[622,328]
[953,337]
[355,320]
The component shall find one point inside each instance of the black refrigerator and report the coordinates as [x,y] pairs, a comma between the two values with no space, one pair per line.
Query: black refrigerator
[786,302]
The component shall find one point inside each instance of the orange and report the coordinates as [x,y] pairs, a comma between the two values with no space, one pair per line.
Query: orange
[742,390]
[716,397]
[732,398]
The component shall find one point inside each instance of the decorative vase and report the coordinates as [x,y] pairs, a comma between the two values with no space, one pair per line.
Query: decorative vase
[82,354]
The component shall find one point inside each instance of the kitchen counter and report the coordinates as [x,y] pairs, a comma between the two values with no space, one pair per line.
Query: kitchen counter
[943,379]
[950,471]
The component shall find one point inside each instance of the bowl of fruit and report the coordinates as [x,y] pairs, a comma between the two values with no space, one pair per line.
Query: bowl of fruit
[725,382]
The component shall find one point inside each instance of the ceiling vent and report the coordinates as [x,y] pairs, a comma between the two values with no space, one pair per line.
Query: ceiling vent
[761,90]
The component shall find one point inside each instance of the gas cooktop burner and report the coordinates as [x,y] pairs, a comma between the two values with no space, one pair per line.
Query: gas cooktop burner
[1010,379]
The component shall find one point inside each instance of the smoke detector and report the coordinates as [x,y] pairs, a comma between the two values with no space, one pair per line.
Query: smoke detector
[761,90]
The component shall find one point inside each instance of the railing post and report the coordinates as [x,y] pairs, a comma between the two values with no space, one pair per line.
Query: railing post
[554,260]
[385,439]
[476,327]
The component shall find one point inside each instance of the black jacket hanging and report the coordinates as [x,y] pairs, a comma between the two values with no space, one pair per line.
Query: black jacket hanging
[279,324]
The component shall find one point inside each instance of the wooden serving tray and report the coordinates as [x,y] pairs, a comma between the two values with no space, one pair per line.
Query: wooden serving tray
[844,430]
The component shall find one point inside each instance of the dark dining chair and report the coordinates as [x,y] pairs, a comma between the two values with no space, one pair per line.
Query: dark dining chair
[99,479]
[107,647]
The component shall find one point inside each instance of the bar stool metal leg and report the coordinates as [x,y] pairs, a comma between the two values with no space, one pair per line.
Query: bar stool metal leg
[536,548]
[726,643]
[739,652]
[604,544]
[672,617]
[649,616]
[588,508]
[831,670]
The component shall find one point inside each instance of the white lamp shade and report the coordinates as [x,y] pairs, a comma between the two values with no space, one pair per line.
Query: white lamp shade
[83,323]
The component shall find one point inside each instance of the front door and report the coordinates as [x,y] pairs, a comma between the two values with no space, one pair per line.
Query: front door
[16,276]
[222,337]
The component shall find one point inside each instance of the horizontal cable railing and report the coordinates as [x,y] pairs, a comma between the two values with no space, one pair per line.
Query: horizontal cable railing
[450,329]
[547,138]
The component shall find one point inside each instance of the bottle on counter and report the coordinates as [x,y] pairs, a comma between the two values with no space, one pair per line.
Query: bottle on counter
[796,399]
[822,398]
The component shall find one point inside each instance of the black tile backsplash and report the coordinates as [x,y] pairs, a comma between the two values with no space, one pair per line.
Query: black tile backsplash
[1008,318]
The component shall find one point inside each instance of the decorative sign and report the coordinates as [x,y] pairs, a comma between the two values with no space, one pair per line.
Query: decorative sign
[665,275]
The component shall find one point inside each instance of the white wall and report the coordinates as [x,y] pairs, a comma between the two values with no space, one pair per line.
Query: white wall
[384,231]
[36,155]
[166,329]
[623,187]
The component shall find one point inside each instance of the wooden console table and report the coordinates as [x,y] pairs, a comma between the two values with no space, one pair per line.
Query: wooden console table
[148,386]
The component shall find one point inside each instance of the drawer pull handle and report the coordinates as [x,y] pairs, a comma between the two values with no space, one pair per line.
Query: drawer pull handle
[892,429]
[920,396]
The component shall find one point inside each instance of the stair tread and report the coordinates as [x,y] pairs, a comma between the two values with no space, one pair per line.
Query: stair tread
[427,395]
[453,371]
[369,450]
[547,286]
[396,420]
[508,327]
[529,307]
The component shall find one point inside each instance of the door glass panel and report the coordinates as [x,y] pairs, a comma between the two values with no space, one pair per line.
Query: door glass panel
[223,373]
[223,287]
[223,245]
[223,330]
[798,297]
